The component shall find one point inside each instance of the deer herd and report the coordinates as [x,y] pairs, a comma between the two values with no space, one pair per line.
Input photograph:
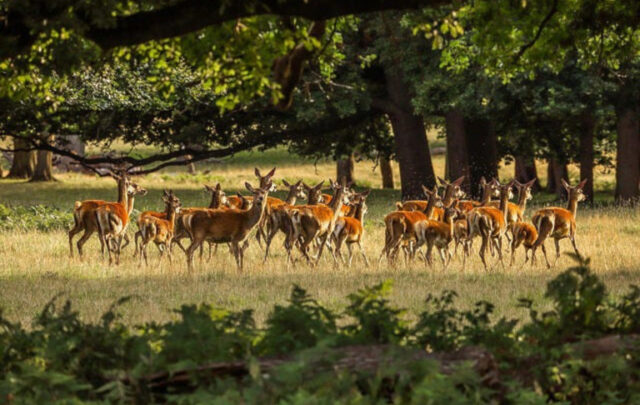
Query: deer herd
[331,221]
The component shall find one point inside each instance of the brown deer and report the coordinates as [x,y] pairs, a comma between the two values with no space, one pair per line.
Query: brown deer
[438,233]
[559,223]
[160,230]
[489,222]
[515,212]
[350,229]
[451,191]
[400,227]
[227,225]
[524,234]
[112,220]
[317,222]
[84,212]
[278,217]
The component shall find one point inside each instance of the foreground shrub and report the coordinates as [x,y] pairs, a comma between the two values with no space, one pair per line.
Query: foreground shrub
[367,353]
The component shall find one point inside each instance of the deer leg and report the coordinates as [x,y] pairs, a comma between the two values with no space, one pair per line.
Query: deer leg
[544,252]
[364,256]
[557,243]
[136,242]
[73,232]
[195,243]
[443,258]
[350,248]
[126,239]
[83,240]
[483,251]
[499,247]
[573,243]
[271,233]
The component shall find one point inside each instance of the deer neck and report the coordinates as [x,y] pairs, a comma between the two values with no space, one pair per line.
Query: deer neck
[486,197]
[522,200]
[256,212]
[359,214]
[291,197]
[129,204]
[572,206]
[336,203]
[122,193]
[504,199]
[428,210]
[215,201]
[449,221]
[171,217]
[448,196]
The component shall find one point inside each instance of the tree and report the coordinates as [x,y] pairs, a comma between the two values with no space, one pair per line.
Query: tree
[44,164]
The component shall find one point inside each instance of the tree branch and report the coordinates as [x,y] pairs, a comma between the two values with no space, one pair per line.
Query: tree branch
[547,18]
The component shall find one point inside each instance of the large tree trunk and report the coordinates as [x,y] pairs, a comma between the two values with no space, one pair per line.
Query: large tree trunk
[23,162]
[457,163]
[627,159]
[482,148]
[387,173]
[586,153]
[72,143]
[410,138]
[44,164]
[526,171]
[344,169]
[557,171]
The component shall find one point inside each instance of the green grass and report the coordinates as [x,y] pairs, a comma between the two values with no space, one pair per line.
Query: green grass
[35,265]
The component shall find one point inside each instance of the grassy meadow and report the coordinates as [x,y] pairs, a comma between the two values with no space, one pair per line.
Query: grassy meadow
[35,265]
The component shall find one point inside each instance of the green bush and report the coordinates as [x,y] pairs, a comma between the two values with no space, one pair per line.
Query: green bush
[36,217]
[62,359]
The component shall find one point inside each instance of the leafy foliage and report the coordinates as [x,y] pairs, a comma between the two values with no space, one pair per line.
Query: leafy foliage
[60,357]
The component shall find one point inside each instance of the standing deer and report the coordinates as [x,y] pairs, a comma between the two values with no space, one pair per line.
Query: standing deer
[559,223]
[524,234]
[227,226]
[451,191]
[313,222]
[438,233]
[515,212]
[489,222]
[278,217]
[399,226]
[160,230]
[84,212]
[112,220]
[350,229]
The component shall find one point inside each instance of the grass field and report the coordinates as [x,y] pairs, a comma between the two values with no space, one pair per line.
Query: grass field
[35,266]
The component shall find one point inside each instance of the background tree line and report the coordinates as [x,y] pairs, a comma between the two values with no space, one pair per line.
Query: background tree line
[549,80]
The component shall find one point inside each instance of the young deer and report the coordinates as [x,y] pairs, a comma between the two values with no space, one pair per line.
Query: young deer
[278,217]
[524,234]
[515,212]
[399,226]
[438,233]
[313,222]
[84,213]
[350,229]
[489,222]
[451,191]
[112,220]
[160,230]
[314,194]
[227,226]
[236,201]
[559,223]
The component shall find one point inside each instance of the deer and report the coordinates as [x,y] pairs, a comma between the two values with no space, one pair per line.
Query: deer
[350,229]
[451,191]
[84,212]
[227,225]
[438,233]
[515,212]
[399,226]
[314,193]
[525,234]
[489,222]
[112,220]
[236,201]
[278,217]
[218,200]
[559,223]
[160,230]
[318,221]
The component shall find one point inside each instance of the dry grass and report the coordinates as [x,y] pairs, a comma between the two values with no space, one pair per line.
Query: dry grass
[35,266]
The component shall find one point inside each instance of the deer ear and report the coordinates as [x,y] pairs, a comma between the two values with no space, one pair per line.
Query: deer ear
[435,190]
[286,183]
[365,193]
[426,191]
[298,183]
[218,187]
[257,172]
[442,181]
[272,172]
[582,184]
[511,183]
[530,183]
[565,184]
[458,181]
[483,181]
[319,185]
[248,186]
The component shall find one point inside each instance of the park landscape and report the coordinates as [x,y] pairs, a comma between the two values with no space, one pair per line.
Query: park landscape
[450,144]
